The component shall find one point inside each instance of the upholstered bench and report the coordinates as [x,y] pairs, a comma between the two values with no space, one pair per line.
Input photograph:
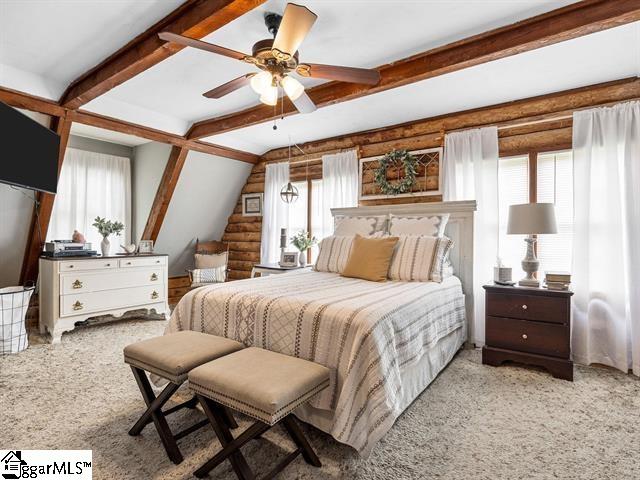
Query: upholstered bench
[264,385]
[171,357]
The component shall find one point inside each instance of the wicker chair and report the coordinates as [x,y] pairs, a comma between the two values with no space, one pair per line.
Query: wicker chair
[212,247]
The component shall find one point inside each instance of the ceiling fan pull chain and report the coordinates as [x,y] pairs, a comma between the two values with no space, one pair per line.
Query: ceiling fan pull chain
[275,114]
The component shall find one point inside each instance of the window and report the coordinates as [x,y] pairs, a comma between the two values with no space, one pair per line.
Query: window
[306,213]
[553,184]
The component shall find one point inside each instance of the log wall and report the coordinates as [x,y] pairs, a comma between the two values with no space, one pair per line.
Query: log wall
[538,124]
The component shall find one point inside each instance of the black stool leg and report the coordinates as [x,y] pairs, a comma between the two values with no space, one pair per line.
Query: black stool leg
[217,420]
[228,417]
[297,435]
[166,437]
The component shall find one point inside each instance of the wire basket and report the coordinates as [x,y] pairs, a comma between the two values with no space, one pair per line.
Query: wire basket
[14,303]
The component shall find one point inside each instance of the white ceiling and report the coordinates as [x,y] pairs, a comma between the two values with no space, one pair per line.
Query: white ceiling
[97,133]
[44,58]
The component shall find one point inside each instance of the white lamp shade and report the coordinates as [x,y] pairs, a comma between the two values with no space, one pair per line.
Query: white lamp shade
[269,96]
[292,87]
[261,82]
[532,219]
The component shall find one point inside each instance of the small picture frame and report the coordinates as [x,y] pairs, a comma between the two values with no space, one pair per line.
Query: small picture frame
[252,204]
[145,246]
[289,259]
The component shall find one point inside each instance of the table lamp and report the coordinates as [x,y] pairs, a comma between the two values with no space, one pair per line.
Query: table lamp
[531,219]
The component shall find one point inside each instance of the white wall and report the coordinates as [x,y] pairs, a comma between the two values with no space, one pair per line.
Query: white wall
[16,209]
[205,196]
[146,172]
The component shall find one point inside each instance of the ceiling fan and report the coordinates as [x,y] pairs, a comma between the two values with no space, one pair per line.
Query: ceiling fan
[277,58]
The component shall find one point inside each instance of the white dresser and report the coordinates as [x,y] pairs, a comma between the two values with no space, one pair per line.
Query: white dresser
[75,289]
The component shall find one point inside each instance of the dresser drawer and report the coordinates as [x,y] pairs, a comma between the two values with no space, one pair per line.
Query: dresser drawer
[528,336]
[73,283]
[528,307]
[82,303]
[83,265]
[142,262]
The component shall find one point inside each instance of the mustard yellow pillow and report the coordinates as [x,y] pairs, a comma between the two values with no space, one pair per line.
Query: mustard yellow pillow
[370,258]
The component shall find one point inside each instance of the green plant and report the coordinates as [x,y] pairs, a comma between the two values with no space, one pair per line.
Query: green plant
[107,227]
[302,241]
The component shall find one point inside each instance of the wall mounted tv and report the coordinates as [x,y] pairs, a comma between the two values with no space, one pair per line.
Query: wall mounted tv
[29,155]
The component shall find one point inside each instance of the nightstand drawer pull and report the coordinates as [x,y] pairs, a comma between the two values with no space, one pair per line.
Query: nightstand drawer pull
[524,336]
[77,284]
[155,295]
[78,305]
[154,277]
[524,307]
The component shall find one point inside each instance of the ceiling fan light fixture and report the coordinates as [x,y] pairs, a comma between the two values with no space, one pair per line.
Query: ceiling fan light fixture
[269,96]
[261,82]
[292,87]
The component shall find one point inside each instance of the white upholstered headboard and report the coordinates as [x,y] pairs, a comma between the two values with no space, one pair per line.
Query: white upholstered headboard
[459,229]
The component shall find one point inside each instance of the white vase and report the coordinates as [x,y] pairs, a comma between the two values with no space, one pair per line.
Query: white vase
[105,246]
[302,259]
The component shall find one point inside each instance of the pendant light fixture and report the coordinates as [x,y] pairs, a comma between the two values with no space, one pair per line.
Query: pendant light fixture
[289,193]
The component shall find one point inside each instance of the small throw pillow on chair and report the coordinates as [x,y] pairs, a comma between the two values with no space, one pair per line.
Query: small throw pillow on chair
[370,258]
[215,260]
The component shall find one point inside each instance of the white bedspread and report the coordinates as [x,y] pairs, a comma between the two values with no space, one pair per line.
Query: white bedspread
[366,333]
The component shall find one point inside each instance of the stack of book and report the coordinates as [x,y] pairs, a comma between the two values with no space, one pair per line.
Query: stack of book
[557,280]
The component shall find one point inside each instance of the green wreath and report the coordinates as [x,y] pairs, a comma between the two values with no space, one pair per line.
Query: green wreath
[393,159]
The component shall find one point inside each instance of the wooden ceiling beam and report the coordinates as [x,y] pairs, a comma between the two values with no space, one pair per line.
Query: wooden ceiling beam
[572,21]
[165,191]
[17,99]
[195,18]
[43,210]
[540,108]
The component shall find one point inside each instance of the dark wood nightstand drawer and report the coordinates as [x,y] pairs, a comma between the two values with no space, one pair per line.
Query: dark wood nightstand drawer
[528,336]
[528,307]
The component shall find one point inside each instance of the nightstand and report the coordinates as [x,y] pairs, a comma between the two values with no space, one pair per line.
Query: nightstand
[528,325]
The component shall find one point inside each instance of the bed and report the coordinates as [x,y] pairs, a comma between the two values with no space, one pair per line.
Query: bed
[383,342]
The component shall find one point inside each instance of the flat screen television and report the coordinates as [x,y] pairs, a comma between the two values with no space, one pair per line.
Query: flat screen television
[29,155]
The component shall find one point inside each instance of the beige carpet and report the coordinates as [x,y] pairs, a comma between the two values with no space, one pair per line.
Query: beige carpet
[473,422]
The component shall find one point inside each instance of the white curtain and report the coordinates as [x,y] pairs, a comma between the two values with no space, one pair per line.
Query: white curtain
[91,185]
[276,211]
[471,173]
[606,240]
[339,186]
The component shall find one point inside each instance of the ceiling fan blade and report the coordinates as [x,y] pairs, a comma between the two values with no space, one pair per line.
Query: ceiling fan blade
[294,27]
[209,47]
[304,104]
[342,74]
[229,87]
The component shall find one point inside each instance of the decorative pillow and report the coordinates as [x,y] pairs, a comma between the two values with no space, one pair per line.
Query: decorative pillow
[214,260]
[370,258]
[345,226]
[208,275]
[420,258]
[333,254]
[432,225]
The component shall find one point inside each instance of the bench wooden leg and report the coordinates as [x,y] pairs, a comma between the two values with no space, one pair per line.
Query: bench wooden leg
[154,405]
[217,419]
[297,435]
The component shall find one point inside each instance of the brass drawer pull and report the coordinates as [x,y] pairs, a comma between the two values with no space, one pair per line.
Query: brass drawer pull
[78,305]
[155,294]
[108,265]
[77,284]
[128,263]
[70,266]
[524,307]
[157,261]
[524,336]
[154,277]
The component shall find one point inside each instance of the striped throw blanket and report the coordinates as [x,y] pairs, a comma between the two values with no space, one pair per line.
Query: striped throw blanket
[366,333]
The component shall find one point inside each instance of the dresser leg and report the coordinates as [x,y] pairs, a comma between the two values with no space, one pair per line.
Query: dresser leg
[56,336]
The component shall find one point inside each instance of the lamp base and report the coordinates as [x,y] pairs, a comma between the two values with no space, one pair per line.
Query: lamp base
[530,265]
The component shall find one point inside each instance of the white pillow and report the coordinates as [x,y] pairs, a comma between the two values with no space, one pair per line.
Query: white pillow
[420,258]
[364,226]
[334,253]
[432,225]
